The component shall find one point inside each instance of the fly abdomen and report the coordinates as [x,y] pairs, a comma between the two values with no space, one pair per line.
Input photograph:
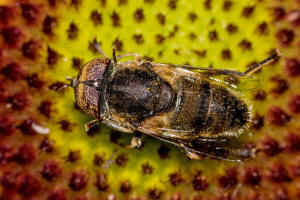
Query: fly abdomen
[207,108]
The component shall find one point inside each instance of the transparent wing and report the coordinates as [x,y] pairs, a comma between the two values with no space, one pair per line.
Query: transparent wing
[228,149]
[234,79]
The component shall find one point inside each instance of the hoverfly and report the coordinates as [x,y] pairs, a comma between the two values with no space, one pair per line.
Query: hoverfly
[198,109]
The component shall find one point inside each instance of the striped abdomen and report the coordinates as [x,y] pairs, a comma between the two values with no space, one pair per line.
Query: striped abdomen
[207,108]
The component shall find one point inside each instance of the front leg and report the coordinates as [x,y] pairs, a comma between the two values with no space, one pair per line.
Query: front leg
[193,155]
[91,124]
[136,141]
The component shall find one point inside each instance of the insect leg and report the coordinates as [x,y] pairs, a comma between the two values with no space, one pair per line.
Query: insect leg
[193,155]
[98,47]
[268,60]
[136,141]
[91,124]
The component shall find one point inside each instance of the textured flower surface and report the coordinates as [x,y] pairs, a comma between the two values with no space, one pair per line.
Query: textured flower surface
[45,152]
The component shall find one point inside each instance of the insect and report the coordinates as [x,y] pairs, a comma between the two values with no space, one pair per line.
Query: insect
[198,109]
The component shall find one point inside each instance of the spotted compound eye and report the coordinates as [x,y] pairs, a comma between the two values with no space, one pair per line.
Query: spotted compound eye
[87,97]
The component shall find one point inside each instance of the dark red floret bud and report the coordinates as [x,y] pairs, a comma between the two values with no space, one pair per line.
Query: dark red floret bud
[8,180]
[57,195]
[45,108]
[271,147]
[49,24]
[7,125]
[229,180]
[281,85]
[278,13]
[30,49]
[46,145]
[285,36]
[175,178]
[14,71]
[292,67]
[30,12]
[78,180]
[199,182]
[155,193]
[51,170]
[12,36]
[293,141]
[29,186]
[26,154]
[294,104]
[34,81]
[277,116]
[27,128]
[101,183]
[6,14]
[6,155]
[252,176]
[278,173]
[19,101]
[125,186]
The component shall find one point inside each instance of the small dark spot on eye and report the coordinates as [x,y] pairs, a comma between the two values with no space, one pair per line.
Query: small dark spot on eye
[192,16]
[76,3]
[213,35]
[263,28]
[161,18]
[116,20]
[207,4]
[121,160]
[192,36]
[125,186]
[245,45]
[227,5]
[102,183]
[285,36]
[98,160]
[159,39]
[73,156]
[155,193]
[231,28]
[123,2]
[139,15]
[49,24]
[96,17]
[163,152]
[172,4]
[118,44]
[199,53]
[247,11]
[175,178]
[52,57]
[76,63]
[138,38]
[278,13]
[147,168]
[72,31]
[226,54]
[199,182]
